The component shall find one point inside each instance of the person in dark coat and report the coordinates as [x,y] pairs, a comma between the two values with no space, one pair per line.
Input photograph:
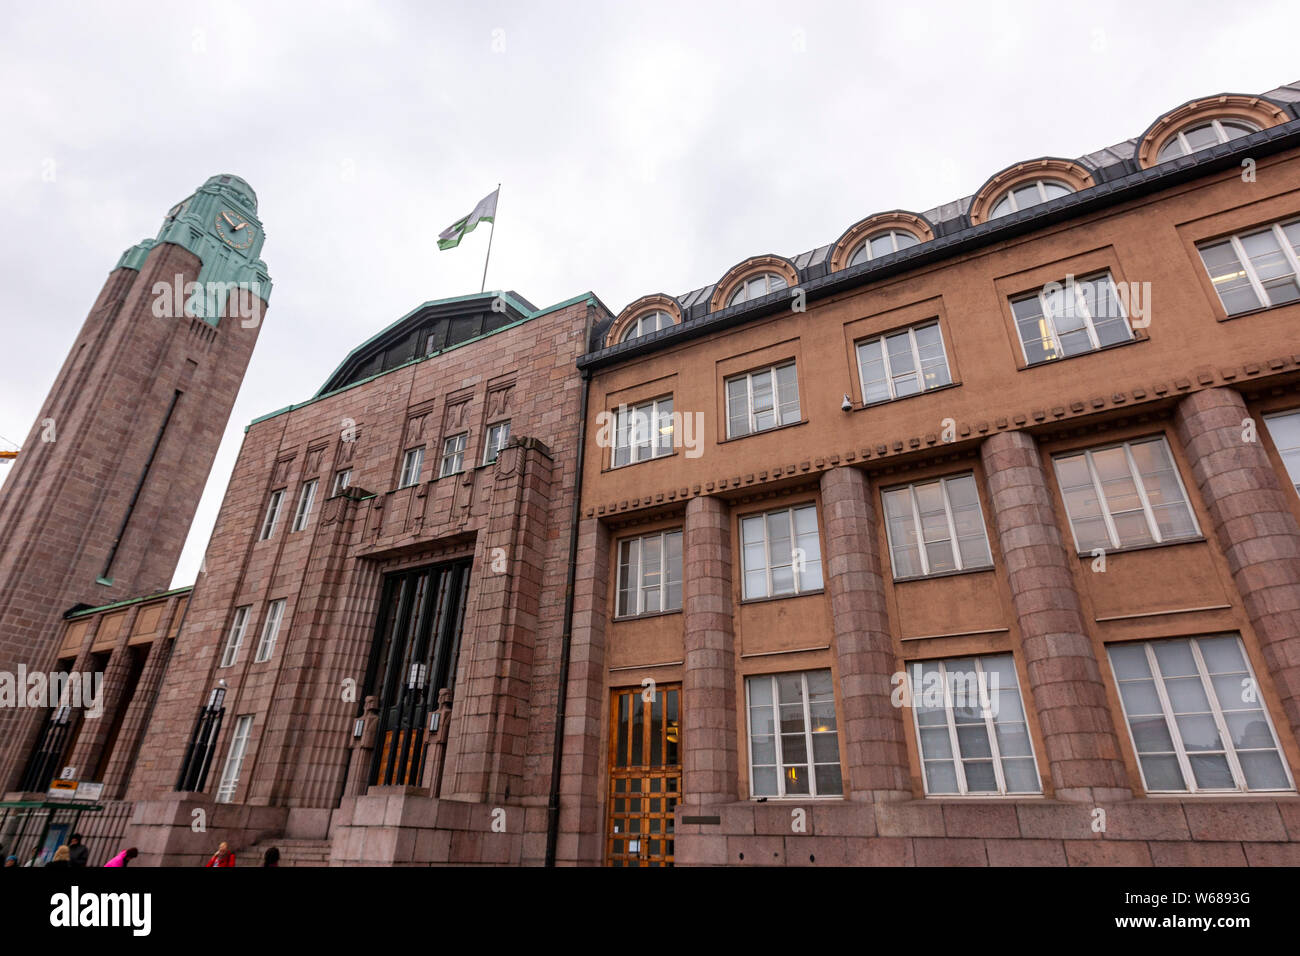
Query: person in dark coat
[79,852]
[60,861]
[272,857]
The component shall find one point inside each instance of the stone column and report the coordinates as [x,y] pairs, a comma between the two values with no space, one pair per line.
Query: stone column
[709,759]
[873,731]
[133,724]
[1254,525]
[1065,682]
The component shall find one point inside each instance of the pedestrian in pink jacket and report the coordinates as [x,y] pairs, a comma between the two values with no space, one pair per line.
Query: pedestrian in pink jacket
[123,858]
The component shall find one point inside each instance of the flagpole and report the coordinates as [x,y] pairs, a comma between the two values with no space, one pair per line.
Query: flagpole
[488,257]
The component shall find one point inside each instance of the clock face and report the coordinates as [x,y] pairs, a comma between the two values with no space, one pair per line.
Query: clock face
[234,229]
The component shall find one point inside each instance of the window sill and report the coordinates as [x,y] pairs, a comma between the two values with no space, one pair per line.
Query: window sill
[1107,552]
[645,461]
[1265,308]
[648,614]
[798,798]
[765,431]
[964,797]
[943,574]
[1215,794]
[782,597]
[1139,335]
[863,406]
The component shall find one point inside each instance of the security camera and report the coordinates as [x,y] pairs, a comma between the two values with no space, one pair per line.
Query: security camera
[846,405]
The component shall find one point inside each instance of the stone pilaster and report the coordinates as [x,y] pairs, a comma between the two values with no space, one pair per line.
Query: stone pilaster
[139,708]
[94,730]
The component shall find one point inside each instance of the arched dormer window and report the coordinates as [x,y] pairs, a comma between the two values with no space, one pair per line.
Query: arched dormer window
[753,279]
[756,287]
[882,244]
[647,322]
[878,236]
[1206,122]
[647,314]
[1029,194]
[1026,185]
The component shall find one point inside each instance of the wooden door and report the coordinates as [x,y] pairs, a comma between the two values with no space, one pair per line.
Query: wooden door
[645,775]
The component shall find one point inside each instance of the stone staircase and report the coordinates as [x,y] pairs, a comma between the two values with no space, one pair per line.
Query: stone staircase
[293,852]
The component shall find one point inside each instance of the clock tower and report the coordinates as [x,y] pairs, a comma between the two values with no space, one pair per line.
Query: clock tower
[105,487]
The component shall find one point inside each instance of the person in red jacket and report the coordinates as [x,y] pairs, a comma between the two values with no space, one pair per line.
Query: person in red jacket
[223,857]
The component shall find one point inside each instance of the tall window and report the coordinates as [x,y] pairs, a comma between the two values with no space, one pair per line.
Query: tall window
[882,244]
[1257,269]
[453,455]
[902,363]
[1194,713]
[794,747]
[757,286]
[237,628]
[235,758]
[1285,429]
[762,399]
[270,630]
[272,514]
[646,323]
[650,574]
[342,479]
[1029,194]
[1126,495]
[412,462]
[305,499]
[971,727]
[781,552]
[643,431]
[1070,318]
[497,437]
[936,526]
[1189,139]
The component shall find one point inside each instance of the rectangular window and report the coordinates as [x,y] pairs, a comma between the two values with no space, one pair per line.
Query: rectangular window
[272,514]
[794,747]
[270,630]
[650,574]
[1123,496]
[781,552]
[971,727]
[411,465]
[453,455]
[643,431]
[902,363]
[1195,717]
[761,400]
[342,480]
[1285,429]
[935,527]
[1070,318]
[236,638]
[1255,270]
[305,499]
[497,437]
[235,759]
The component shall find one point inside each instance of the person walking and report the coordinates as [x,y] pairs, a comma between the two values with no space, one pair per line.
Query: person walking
[79,853]
[61,859]
[123,858]
[223,856]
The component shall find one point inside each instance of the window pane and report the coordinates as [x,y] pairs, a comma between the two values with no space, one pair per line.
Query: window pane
[1229,278]
[788,394]
[871,366]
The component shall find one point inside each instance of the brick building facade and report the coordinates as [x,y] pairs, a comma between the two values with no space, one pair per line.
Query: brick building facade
[970,538]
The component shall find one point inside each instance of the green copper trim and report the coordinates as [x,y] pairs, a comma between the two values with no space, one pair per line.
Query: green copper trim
[134,257]
[107,582]
[128,601]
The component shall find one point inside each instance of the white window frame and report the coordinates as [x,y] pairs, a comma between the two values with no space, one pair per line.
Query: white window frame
[990,728]
[626,438]
[1248,267]
[796,572]
[1107,518]
[412,465]
[919,529]
[270,630]
[741,292]
[1216,711]
[1009,195]
[1217,123]
[342,480]
[862,252]
[777,402]
[1081,310]
[453,453]
[272,514]
[235,758]
[910,332]
[306,498]
[810,765]
[640,326]
[238,627]
[492,448]
[659,539]
[1282,450]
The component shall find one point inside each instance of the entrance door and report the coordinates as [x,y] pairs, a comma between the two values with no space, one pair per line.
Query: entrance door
[645,775]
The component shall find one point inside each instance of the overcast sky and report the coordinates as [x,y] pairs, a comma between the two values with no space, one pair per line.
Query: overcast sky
[642,148]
